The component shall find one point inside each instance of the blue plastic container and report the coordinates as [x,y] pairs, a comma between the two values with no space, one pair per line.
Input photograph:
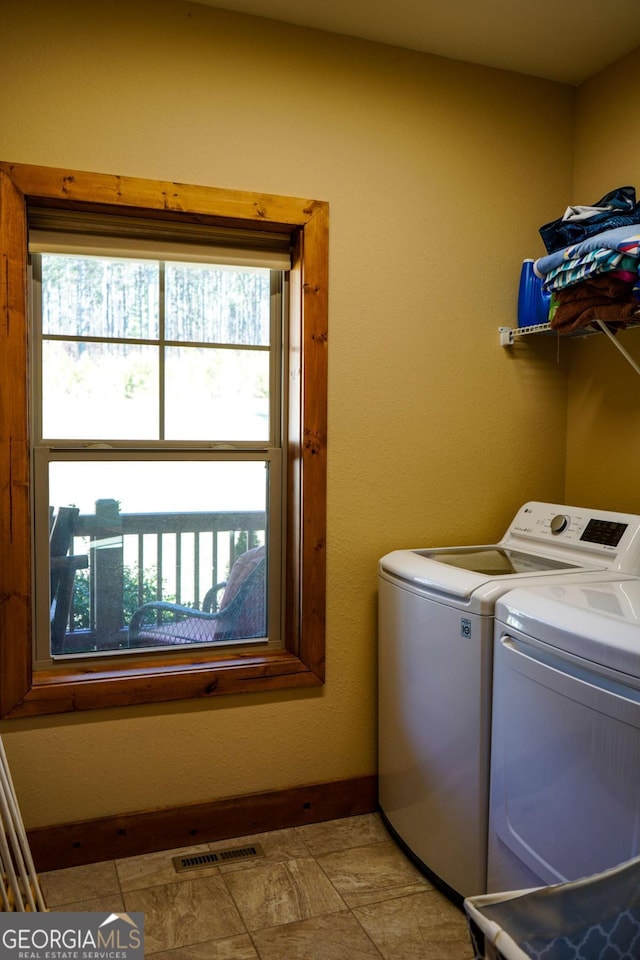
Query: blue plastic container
[533,301]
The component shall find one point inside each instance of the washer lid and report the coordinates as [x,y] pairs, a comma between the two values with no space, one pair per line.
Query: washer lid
[494,560]
[599,622]
[461,572]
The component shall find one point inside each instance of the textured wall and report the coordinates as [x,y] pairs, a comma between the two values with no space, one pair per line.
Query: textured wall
[438,175]
[603,449]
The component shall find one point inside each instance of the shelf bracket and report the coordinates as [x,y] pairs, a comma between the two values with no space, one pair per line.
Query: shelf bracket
[509,335]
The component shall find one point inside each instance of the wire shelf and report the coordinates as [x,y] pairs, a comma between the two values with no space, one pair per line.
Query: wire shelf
[509,335]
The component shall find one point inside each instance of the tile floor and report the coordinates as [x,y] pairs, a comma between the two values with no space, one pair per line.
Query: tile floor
[339,890]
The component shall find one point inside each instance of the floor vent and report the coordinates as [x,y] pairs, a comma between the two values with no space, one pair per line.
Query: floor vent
[230,855]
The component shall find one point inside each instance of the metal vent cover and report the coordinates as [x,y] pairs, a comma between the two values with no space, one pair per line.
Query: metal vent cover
[229,855]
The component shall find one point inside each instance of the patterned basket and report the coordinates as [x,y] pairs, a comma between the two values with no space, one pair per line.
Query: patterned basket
[596,918]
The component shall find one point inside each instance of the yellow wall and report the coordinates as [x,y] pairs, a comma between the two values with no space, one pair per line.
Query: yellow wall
[603,450]
[438,175]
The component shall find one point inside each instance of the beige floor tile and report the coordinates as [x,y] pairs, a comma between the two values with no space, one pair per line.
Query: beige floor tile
[275,893]
[277,846]
[368,874]
[335,835]
[79,883]
[232,948]
[113,903]
[291,904]
[338,937]
[184,913]
[153,869]
[424,926]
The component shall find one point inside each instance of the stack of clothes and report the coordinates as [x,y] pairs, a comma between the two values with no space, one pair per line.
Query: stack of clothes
[592,265]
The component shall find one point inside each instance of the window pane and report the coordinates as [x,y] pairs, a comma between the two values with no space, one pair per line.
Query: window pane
[214,304]
[216,394]
[146,547]
[99,297]
[99,391]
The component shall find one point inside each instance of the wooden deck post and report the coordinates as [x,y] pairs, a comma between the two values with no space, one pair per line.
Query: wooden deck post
[107,560]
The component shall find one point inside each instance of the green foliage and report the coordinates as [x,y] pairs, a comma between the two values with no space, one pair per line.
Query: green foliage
[81,601]
[131,599]
[243,541]
[104,366]
[110,297]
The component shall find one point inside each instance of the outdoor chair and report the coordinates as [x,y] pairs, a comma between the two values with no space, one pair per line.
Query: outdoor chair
[241,614]
[63,571]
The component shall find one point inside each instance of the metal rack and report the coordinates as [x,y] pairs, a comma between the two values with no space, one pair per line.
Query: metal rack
[509,335]
[20,887]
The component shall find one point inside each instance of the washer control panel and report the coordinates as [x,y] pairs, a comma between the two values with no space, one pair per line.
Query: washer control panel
[606,532]
[575,527]
[559,523]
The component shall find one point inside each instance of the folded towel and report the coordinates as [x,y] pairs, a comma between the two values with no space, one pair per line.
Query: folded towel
[604,297]
[603,288]
[616,315]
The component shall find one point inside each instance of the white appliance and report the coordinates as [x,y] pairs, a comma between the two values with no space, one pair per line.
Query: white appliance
[436,619]
[565,772]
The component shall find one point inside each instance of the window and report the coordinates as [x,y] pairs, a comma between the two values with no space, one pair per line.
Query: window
[156,362]
[172,440]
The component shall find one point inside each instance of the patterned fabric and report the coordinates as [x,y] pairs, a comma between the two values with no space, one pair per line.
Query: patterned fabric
[596,918]
[624,240]
[615,939]
[581,268]
[611,254]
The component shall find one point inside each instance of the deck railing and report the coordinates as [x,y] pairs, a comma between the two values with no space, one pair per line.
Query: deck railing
[137,557]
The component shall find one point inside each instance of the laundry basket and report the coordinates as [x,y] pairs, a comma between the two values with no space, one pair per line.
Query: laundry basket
[20,887]
[596,918]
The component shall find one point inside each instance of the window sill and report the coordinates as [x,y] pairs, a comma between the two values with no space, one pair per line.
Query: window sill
[69,690]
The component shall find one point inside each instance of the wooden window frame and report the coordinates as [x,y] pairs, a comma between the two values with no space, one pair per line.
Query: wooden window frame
[25,692]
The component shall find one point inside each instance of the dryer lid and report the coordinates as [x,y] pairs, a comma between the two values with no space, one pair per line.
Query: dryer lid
[598,622]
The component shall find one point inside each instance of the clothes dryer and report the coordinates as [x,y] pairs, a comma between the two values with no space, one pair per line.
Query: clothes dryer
[436,620]
[565,791]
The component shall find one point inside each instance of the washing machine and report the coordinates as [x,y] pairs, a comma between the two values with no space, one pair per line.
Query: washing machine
[565,783]
[435,652]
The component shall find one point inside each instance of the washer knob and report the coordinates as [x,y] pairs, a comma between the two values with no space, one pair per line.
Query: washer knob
[559,523]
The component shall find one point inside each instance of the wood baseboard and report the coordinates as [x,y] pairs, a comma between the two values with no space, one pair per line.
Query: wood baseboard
[129,835]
